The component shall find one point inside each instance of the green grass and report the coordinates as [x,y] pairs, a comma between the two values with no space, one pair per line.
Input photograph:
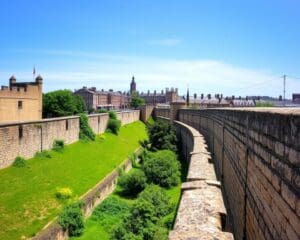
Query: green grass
[150,120]
[27,196]
[104,220]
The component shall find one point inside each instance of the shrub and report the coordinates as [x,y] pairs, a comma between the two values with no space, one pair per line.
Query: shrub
[121,171]
[101,111]
[133,182]
[162,136]
[58,145]
[64,193]
[158,198]
[43,154]
[86,132]
[114,125]
[134,160]
[19,162]
[139,224]
[112,115]
[162,168]
[71,219]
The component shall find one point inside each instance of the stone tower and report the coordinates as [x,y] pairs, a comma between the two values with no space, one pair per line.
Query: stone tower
[132,86]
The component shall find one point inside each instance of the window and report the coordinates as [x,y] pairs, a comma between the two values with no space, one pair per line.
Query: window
[20,104]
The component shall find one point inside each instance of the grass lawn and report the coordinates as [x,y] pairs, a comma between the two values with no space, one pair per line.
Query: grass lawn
[27,195]
[111,211]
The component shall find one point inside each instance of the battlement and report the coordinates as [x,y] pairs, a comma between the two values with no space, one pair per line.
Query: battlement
[21,101]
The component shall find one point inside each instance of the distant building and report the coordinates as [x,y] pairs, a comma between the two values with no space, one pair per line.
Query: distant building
[95,99]
[296,97]
[163,97]
[132,86]
[21,101]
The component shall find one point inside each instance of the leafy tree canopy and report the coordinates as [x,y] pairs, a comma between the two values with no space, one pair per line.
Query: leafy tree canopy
[62,103]
[136,101]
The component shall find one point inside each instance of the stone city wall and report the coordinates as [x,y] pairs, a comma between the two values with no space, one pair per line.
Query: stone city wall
[201,213]
[26,138]
[257,156]
[162,112]
[146,112]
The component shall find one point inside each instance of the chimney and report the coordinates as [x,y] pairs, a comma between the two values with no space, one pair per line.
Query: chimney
[202,95]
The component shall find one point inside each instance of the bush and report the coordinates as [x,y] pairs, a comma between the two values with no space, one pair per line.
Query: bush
[162,168]
[71,219]
[114,125]
[133,183]
[58,145]
[101,111]
[158,198]
[86,132]
[64,193]
[134,160]
[112,115]
[139,224]
[19,162]
[43,154]
[162,136]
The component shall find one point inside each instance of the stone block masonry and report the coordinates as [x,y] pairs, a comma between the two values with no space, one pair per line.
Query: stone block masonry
[257,158]
[201,213]
[26,138]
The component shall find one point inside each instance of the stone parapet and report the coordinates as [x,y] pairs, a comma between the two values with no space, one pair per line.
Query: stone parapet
[201,213]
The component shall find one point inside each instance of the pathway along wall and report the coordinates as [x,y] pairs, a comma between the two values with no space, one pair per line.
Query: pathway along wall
[257,156]
[201,213]
[26,138]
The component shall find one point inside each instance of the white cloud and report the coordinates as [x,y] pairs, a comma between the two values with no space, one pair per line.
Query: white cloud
[111,71]
[168,42]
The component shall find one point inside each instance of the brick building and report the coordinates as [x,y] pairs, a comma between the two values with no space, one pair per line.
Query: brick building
[21,101]
[95,99]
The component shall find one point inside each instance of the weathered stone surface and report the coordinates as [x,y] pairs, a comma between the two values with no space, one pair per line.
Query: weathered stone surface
[256,152]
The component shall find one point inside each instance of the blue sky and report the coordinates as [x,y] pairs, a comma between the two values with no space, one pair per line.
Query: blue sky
[229,47]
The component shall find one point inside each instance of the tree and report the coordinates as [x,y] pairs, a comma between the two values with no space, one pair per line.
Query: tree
[162,136]
[136,101]
[162,167]
[62,103]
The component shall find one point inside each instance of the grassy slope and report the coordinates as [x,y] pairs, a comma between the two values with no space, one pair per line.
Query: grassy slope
[27,196]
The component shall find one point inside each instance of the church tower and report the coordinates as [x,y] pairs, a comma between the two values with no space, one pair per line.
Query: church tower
[132,86]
